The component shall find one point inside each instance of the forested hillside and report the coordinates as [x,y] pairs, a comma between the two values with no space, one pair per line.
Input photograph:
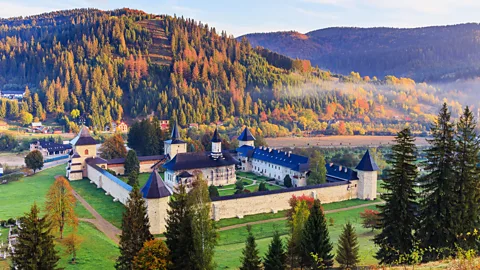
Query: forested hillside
[103,66]
[437,53]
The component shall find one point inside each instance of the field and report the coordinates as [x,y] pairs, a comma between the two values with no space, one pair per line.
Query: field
[336,141]
[231,242]
[16,198]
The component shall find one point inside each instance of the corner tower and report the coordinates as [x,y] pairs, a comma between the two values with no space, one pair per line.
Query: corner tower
[246,138]
[175,145]
[367,175]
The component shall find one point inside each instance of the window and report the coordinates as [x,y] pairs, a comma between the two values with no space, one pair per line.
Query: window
[86,151]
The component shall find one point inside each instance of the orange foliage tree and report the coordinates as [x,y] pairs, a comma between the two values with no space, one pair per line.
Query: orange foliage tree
[293,203]
[60,205]
[154,255]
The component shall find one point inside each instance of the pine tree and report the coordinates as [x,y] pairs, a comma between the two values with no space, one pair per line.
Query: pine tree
[250,258]
[131,162]
[398,218]
[347,249]
[135,229]
[178,234]
[276,258]
[35,248]
[203,227]
[133,178]
[437,225]
[315,239]
[468,176]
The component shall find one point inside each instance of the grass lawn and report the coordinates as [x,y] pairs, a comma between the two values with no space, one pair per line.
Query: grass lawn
[17,197]
[103,204]
[142,178]
[231,242]
[265,216]
[252,176]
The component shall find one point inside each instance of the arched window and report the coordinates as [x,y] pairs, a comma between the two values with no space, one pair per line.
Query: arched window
[86,151]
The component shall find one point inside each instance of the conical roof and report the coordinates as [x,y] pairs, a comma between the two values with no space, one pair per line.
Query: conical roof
[216,137]
[246,135]
[176,135]
[84,137]
[155,187]
[367,164]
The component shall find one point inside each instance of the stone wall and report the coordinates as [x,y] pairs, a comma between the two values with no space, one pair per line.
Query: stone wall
[157,213]
[367,185]
[277,200]
[113,186]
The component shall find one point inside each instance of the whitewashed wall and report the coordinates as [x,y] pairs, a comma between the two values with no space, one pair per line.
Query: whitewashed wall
[112,186]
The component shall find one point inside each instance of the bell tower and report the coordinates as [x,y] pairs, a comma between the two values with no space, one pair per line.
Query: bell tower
[175,145]
[216,145]
[246,138]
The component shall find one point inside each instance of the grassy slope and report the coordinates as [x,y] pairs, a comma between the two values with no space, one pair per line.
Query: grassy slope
[103,204]
[231,242]
[16,198]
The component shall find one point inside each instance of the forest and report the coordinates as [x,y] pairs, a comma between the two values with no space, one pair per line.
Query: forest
[93,67]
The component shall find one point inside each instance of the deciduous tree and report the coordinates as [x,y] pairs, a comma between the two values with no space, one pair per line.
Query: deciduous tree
[72,243]
[60,205]
[113,147]
[34,160]
[153,255]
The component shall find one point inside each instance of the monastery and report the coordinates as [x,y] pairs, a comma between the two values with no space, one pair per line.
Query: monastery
[218,167]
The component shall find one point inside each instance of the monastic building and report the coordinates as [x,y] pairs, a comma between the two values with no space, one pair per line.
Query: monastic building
[217,167]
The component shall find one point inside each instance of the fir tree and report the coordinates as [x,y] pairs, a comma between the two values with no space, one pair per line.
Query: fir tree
[276,258]
[178,234]
[131,162]
[315,239]
[133,178]
[262,186]
[250,258]
[213,191]
[287,181]
[437,224]
[35,248]
[135,229]
[347,249]
[467,175]
[398,216]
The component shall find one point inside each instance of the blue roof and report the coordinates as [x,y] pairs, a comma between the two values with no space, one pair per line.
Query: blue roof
[336,173]
[246,135]
[294,162]
[367,164]
[112,177]
[155,188]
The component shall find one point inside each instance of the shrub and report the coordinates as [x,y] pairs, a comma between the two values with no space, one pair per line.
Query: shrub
[370,219]
[287,181]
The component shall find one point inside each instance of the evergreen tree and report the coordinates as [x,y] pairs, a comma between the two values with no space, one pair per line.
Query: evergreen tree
[347,249]
[179,233]
[213,191]
[262,186]
[315,239]
[135,229]
[398,218]
[437,224]
[35,248]
[133,178]
[131,162]
[239,187]
[250,258]
[276,258]
[467,175]
[287,181]
[203,229]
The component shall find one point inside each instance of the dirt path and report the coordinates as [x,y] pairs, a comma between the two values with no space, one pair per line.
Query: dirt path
[283,218]
[102,225]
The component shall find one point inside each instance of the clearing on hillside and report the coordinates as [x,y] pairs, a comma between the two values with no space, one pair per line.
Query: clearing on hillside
[160,51]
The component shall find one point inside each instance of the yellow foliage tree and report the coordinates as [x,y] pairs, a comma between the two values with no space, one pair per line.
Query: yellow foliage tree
[60,205]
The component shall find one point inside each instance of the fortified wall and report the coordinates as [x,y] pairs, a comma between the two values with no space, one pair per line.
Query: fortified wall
[277,200]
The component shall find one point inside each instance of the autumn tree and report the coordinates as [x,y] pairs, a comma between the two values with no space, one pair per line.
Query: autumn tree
[370,219]
[34,248]
[34,160]
[60,205]
[113,147]
[72,243]
[153,255]
[296,226]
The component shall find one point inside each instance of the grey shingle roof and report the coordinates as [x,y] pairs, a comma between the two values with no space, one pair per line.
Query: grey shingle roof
[85,138]
[367,164]
[194,160]
[216,137]
[155,187]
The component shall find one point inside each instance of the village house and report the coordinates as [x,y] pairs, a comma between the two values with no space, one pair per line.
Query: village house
[49,149]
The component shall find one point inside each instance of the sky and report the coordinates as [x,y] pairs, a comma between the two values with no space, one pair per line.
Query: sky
[251,16]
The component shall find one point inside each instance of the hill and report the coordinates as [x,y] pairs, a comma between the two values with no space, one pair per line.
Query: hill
[92,66]
[424,54]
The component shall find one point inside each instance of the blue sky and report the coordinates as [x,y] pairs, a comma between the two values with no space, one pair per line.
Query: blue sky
[247,16]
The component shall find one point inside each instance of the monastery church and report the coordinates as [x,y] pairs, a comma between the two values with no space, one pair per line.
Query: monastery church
[218,167]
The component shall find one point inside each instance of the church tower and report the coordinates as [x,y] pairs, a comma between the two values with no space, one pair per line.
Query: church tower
[367,175]
[246,138]
[216,145]
[175,145]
